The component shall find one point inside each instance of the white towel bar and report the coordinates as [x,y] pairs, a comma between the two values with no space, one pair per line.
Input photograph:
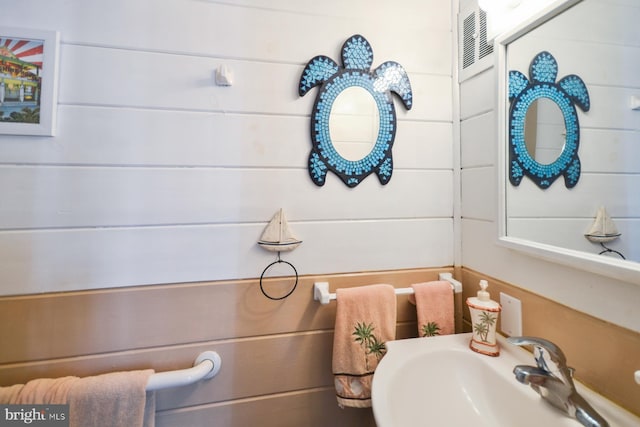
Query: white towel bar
[321,289]
[207,365]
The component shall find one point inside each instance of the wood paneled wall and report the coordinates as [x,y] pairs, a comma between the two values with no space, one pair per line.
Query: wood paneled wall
[276,368]
[276,354]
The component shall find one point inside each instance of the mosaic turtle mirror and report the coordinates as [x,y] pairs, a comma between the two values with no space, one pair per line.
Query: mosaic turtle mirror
[334,80]
[524,96]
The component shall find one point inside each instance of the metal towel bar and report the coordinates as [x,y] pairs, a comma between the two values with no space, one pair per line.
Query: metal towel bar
[321,289]
[207,365]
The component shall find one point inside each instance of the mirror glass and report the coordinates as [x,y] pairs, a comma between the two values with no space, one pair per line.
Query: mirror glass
[354,123]
[598,41]
[544,131]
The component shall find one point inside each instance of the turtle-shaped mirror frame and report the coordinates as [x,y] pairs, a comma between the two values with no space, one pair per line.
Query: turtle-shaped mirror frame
[357,58]
[566,93]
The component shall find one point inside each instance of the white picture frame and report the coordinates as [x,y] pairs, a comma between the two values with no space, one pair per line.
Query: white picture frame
[28,81]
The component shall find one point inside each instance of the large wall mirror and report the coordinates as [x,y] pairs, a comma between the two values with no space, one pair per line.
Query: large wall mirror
[599,41]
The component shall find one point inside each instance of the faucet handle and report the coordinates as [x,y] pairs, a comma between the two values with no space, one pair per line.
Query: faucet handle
[545,351]
[557,356]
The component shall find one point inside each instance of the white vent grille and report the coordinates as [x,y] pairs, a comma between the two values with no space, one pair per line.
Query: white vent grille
[474,50]
[469,41]
[484,47]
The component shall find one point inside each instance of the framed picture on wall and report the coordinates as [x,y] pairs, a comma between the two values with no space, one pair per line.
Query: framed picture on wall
[28,81]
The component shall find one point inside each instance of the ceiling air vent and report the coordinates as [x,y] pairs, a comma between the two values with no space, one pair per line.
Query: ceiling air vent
[474,50]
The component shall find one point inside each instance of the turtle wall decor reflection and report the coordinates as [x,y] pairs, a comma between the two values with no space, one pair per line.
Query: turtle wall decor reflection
[569,92]
[389,77]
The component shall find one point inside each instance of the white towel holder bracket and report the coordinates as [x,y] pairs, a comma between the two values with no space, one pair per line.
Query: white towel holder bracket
[321,289]
[206,366]
[321,292]
[214,358]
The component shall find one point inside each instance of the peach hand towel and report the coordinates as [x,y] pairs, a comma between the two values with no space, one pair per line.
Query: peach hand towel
[435,308]
[365,321]
[53,391]
[117,399]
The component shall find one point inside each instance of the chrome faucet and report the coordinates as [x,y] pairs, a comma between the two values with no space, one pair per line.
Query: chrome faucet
[553,380]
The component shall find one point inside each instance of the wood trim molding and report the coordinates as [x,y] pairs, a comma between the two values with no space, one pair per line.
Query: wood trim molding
[274,352]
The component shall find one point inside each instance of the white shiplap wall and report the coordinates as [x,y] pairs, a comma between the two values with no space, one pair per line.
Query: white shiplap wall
[612,300]
[156,175]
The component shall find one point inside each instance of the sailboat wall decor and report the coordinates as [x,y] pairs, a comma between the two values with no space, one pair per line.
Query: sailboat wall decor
[603,229]
[278,236]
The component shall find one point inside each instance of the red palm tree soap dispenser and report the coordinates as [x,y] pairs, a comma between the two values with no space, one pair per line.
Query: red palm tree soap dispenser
[484,319]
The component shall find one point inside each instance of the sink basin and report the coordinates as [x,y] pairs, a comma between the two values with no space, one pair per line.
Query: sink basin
[439,381]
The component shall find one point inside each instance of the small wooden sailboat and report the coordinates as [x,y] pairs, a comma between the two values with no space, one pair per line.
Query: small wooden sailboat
[603,229]
[277,236]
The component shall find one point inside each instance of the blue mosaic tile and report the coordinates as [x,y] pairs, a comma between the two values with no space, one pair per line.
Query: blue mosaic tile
[567,93]
[388,78]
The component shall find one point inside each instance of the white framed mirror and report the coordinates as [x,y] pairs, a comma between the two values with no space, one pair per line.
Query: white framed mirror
[597,40]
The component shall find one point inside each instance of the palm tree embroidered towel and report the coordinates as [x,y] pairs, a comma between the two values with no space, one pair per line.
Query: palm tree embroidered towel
[434,307]
[365,321]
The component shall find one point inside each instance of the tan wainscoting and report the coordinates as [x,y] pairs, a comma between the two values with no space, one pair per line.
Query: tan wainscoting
[604,356]
[276,354]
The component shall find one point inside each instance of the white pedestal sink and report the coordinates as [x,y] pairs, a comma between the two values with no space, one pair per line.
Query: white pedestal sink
[439,381]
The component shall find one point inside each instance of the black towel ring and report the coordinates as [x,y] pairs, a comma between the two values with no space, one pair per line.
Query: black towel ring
[609,250]
[278,261]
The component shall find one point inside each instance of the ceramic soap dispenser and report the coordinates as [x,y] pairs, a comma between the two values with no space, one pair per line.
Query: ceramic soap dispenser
[484,319]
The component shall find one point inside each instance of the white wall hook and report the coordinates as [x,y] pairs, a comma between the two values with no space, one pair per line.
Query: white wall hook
[224,75]
[634,102]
